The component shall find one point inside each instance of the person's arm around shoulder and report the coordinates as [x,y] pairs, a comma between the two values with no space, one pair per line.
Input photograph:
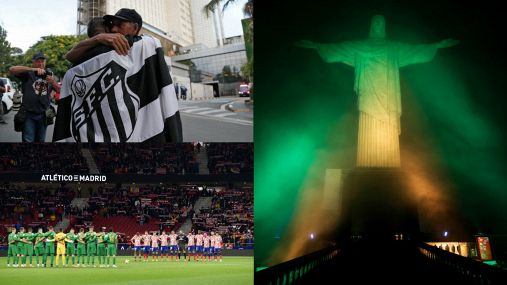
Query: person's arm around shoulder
[117,41]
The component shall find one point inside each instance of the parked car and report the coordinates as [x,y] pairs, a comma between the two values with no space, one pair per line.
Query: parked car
[8,95]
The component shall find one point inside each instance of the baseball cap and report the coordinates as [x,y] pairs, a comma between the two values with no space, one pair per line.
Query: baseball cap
[124,14]
[38,55]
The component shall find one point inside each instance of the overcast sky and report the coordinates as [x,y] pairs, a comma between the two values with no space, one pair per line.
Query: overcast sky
[28,20]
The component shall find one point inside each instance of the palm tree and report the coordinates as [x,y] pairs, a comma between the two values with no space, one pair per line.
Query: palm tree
[247,11]
[213,4]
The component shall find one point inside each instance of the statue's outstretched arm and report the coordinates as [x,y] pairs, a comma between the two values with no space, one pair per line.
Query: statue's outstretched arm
[335,52]
[447,43]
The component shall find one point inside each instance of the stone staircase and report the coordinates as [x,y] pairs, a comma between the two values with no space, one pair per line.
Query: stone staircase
[87,154]
[202,158]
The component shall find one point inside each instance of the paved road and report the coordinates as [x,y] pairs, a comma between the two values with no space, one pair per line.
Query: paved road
[216,120]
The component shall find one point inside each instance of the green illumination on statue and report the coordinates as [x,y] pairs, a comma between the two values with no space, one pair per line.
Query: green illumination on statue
[376,62]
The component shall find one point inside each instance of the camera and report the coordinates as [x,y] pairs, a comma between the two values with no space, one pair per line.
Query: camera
[48,72]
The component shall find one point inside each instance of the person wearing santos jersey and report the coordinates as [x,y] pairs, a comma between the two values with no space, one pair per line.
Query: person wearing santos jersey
[136,240]
[108,97]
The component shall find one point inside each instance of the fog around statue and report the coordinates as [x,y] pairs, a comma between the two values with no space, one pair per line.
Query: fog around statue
[376,62]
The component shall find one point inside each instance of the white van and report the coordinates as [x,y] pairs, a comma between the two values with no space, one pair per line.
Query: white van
[244,90]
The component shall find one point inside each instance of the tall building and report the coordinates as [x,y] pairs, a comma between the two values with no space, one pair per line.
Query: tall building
[86,10]
[208,29]
[181,22]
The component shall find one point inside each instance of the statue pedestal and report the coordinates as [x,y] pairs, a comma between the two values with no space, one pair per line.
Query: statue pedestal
[377,205]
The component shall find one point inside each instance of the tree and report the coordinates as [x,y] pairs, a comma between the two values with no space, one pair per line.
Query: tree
[213,4]
[228,75]
[247,70]
[15,51]
[54,48]
[195,74]
[226,70]
[5,52]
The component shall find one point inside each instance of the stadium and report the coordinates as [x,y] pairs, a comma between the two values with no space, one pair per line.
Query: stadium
[105,196]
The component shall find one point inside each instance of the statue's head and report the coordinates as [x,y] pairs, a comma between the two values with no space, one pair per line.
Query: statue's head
[378,27]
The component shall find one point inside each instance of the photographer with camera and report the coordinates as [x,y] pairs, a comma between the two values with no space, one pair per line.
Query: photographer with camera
[37,85]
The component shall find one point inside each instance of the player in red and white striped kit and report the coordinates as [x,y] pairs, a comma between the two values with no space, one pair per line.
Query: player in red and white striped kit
[218,246]
[198,245]
[191,245]
[164,245]
[206,240]
[211,249]
[173,244]
[136,240]
[154,246]
[146,244]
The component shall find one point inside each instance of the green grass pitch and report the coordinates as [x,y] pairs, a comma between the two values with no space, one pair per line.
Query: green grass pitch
[232,271]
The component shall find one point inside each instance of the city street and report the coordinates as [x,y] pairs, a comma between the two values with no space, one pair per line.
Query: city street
[213,121]
[227,119]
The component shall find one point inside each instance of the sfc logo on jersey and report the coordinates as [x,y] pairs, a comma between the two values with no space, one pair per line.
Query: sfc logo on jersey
[103,107]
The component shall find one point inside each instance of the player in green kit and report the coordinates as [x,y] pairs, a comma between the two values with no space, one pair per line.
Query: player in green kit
[112,244]
[50,246]
[13,248]
[21,247]
[71,248]
[101,247]
[91,246]
[39,245]
[29,239]
[81,247]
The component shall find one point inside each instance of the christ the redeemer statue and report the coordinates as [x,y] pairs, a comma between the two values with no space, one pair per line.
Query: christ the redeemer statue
[376,62]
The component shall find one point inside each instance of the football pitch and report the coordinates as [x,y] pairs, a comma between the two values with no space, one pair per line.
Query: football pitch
[232,271]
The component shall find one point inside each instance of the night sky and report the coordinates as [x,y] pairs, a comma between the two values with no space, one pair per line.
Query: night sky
[454,107]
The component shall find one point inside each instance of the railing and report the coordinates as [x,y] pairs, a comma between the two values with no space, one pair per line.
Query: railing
[467,268]
[292,271]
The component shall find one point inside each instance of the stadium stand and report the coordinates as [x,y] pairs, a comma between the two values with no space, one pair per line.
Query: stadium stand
[230,158]
[145,159]
[131,208]
[39,158]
